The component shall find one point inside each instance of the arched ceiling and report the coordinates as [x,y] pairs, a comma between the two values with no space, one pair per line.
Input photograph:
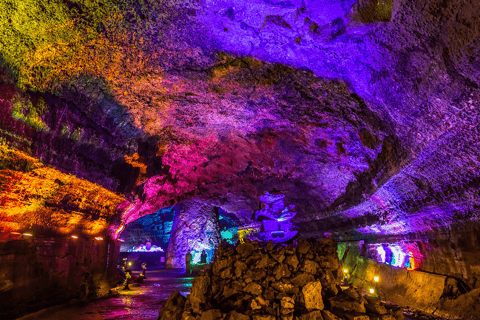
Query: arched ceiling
[364,113]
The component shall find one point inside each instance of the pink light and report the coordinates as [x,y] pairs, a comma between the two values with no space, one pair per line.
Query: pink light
[119,230]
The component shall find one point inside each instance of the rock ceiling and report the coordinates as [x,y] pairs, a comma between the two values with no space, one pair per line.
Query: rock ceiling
[364,113]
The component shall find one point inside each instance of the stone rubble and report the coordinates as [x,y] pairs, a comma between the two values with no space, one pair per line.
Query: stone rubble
[284,282]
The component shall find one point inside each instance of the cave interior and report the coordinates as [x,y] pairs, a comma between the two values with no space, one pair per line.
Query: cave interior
[134,123]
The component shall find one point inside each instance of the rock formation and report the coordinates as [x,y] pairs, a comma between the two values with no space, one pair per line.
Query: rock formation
[251,281]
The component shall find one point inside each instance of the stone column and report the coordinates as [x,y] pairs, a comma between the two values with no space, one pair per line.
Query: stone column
[195,228]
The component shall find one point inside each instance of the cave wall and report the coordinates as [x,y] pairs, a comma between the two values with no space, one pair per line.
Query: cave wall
[38,272]
[443,277]
[156,227]
[195,228]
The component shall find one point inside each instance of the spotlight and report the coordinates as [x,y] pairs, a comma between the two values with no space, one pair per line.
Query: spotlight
[74,237]
[129,263]
[376,279]
[28,234]
[98,238]
[345,271]
[372,290]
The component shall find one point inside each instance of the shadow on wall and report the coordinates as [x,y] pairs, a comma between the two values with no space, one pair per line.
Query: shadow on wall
[440,294]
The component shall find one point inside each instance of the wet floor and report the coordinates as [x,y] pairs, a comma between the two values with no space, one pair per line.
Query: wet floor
[141,302]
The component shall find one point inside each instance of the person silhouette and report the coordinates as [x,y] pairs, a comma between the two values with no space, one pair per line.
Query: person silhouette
[203,257]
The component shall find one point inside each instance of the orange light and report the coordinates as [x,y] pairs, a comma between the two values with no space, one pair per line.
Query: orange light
[376,279]
[119,230]
[121,240]
[28,234]
[372,291]
[98,238]
[15,232]
[74,237]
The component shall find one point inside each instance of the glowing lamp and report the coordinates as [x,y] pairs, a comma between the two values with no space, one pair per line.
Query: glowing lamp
[129,263]
[376,279]
[372,290]
[121,240]
[345,271]
[98,238]
[74,237]
[15,232]
[28,234]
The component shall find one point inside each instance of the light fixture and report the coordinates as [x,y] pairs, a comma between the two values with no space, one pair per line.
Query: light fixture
[121,240]
[28,234]
[15,232]
[345,271]
[372,290]
[98,238]
[129,263]
[74,237]
[376,279]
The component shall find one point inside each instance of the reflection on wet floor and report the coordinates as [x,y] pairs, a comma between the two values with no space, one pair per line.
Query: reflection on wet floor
[141,302]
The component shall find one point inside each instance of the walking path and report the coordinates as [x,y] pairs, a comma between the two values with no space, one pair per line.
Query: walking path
[142,302]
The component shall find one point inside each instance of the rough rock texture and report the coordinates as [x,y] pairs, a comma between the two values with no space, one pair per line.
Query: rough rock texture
[424,289]
[363,113]
[195,228]
[255,292]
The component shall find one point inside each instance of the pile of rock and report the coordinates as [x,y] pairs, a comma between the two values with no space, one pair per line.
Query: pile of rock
[275,282]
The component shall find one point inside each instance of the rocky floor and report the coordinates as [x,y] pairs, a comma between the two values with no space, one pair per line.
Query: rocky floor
[142,302]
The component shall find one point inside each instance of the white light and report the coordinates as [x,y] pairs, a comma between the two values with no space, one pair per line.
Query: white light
[98,238]
[74,237]
[376,279]
[129,263]
[345,271]
[372,291]
[28,234]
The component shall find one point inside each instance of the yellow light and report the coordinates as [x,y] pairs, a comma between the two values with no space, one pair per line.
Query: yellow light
[129,263]
[345,271]
[376,279]
[99,238]
[74,237]
[15,232]
[28,234]
[372,291]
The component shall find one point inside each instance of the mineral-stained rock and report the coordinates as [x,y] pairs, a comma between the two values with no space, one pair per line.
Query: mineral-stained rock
[234,315]
[173,308]
[263,317]
[352,316]
[229,291]
[346,304]
[245,249]
[375,307]
[212,314]
[397,314]
[253,259]
[263,263]
[288,304]
[381,316]
[240,267]
[226,273]
[199,294]
[292,261]
[303,247]
[285,287]
[278,257]
[302,279]
[327,315]
[281,271]
[310,266]
[312,294]
[253,288]
[313,315]
[187,315]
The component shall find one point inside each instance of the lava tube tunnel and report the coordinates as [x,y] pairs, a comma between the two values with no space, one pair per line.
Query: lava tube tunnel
[240,160]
